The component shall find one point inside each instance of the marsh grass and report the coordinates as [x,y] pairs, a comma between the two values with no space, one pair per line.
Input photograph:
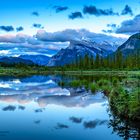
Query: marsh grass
[124,101]
[93,87]
[75,83]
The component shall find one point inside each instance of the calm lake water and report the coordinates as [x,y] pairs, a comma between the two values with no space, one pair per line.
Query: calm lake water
[37,108]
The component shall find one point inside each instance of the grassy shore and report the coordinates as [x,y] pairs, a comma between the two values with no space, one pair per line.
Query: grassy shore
[101,72]
[39,71]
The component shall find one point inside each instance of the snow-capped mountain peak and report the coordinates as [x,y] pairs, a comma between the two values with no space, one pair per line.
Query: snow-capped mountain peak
[78,48]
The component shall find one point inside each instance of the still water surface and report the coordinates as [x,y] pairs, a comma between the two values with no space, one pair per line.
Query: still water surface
[38,108]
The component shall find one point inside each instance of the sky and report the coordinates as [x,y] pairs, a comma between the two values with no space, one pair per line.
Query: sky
[46,26]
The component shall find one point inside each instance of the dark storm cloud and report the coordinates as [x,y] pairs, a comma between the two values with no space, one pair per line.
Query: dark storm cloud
[75,15]
[37,25]
[129,26]
[92,10]
[127,11]
[60,8]
[7,28]
[35,13]
[20,28]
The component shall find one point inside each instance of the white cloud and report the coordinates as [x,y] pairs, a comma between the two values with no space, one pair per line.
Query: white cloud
[4,52]
[72,35]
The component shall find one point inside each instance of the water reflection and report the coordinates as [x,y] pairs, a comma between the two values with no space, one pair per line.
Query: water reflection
[37,121]
[47,91]
[94,123]
[125,128]
[61,126]
[76,120]
[21,107]
[9,108]
[39,108]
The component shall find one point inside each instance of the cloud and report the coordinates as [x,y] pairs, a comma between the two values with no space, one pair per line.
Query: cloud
[75,15]
[60,36]
[69,35]
[19,38]
[112,25]
[20,44]
[48,43]
[108,31]
[37,25]
[35,13]
[92,10]
[11,28]
[127,11]
[59,9]
[129,26]
[20,28]
[11,39]
[4,52]
[7,28]
[16,49]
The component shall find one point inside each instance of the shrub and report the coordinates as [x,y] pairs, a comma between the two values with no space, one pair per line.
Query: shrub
[93,87]
[75,83]
[103,82]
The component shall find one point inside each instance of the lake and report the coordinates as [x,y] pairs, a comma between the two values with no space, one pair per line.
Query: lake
[43,108]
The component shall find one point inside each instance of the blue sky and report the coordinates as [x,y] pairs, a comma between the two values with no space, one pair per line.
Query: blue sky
[111,17]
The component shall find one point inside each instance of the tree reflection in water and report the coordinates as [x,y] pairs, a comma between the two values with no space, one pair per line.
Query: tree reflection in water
[125,128]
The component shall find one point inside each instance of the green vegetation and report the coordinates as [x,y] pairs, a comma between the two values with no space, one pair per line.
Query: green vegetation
[112,62]
[120,85]
[123,93]
[93,87]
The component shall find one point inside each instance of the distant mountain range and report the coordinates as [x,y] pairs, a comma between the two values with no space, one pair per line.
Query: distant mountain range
[15,60]
[78,49]
[40,60]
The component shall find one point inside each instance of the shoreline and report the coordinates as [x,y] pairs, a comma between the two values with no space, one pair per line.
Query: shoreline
[28,72]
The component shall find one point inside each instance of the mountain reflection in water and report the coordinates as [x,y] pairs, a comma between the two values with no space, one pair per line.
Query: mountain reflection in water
[38,108]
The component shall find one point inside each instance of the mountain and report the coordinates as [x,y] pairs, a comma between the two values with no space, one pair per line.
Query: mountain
[15,60]
[79,49]
[41,60]
[131,46]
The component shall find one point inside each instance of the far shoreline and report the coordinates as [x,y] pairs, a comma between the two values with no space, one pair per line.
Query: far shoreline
[28,72]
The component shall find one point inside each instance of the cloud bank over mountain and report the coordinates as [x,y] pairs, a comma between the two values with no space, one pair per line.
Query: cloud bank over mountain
[72,35]
[49,42]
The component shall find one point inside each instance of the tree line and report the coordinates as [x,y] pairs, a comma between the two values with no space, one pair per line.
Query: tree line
[115,61]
